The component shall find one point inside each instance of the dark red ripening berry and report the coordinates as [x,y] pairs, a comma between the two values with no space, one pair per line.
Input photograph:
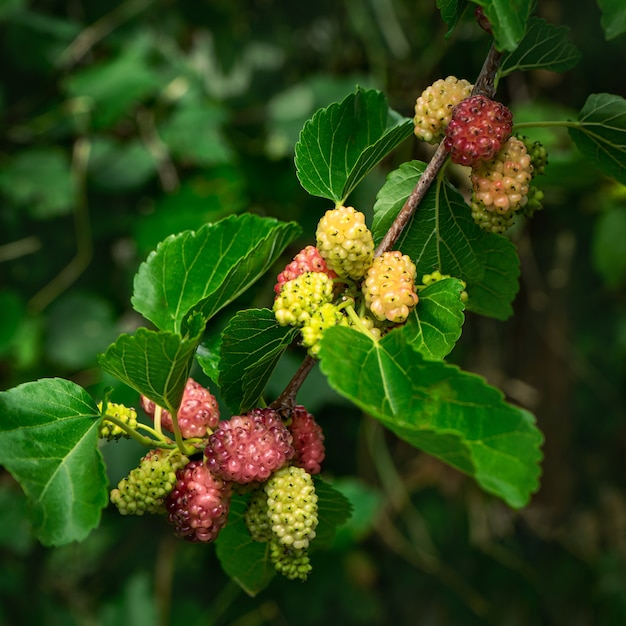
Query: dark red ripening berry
[199,503]
[308,440]
[477,130]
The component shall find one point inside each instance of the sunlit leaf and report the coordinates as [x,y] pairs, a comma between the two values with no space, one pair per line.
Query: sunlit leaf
[508,19]
[155,364]
[252,344]
[544,46]
[600,133]
[451,414]
[442,236]
[207,269]
[435,324]
[340,144]
[48,442]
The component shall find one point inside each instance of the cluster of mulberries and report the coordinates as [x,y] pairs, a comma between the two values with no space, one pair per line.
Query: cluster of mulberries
[198,413]
[145,488]
[109,430]
[389,287]
[345,242]
[433,108]
[324,317]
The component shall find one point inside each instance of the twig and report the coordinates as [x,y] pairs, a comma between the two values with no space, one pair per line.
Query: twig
[485,84]
[287,399]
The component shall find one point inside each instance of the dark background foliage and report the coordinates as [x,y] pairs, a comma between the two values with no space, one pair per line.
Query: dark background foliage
[125,122]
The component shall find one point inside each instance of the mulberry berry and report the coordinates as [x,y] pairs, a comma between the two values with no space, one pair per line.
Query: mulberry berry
[308,440]
[433,109]
[110,431]
[307,260]
[313,329]
[538,155]
[477,130]
[292,506]
[256,517]
[301,297]
[502,184]
[291,563]
[145,488]
[389,287]
[345,242]
[199,503]
[198,414]
[249,447]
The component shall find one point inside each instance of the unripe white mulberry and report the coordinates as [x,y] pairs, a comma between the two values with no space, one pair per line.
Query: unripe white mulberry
[389,287]
[292,506]
[345,242]
[301,297]
[433,109]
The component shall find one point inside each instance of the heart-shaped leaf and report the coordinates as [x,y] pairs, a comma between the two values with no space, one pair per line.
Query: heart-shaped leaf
[600,133]
[453,415]
[340,144]
[442,236]
[155,364]
[544,46]
[207,269]
[48,442]
[252,344]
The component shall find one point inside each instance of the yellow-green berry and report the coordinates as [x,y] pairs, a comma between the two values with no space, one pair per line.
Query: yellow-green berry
[433,109]
[345,242]
[313,329]
[291,563]
[292,506]
[256,517]
[301,297]
[110,431]
[389,287]
[145,488]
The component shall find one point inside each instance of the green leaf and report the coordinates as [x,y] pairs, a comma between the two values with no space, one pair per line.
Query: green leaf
[544,46]
[508,20]
[48,442]
[193,134]
[207,269]
[246,561]
[453,415]
[155,364]
[451,11]
[442,236]
[600,134]
[613,17]
[114,86]
[252,344]
[434,326]
[208,353]
[47,194]
[340,144]
[333,510]
[116,166]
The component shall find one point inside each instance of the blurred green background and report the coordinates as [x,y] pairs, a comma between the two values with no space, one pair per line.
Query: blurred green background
[124,122]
